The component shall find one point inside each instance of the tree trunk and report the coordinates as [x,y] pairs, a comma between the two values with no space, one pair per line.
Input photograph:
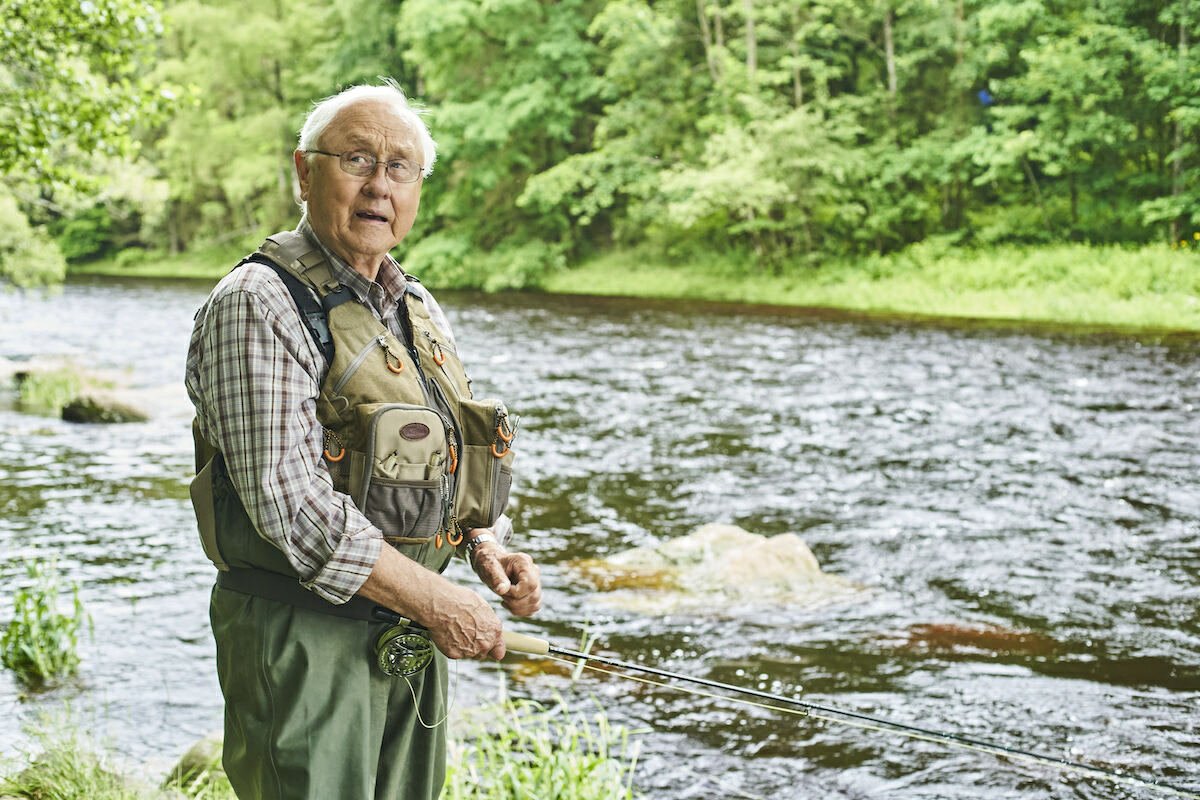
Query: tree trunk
[797,84]
[718,26]
[1177,162]
[751,40]
[889,50]
[706,39]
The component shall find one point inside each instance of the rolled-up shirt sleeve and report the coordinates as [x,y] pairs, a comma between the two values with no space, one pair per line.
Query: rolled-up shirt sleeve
[254,376]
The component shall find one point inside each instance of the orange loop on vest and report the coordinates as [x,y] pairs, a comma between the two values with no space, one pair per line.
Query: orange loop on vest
[340,455]
[501,434]
[453,542]
[396,370]
[437,541]
[453,460]
[439,355]
[498,453]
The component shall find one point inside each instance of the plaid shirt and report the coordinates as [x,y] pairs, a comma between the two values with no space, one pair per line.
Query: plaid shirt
[253,374]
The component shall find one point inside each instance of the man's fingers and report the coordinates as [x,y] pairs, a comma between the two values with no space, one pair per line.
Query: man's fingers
[492,573]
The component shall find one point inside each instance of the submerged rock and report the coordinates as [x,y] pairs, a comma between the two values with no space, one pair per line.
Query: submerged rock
[715,564]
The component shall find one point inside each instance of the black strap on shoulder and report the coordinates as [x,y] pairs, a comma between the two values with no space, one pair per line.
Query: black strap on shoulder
[311,312]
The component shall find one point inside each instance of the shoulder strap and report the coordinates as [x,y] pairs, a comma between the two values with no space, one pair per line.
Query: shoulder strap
[305,272]
[313,314]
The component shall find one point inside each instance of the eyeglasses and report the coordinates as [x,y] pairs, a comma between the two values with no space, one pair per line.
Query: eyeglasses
[362,165]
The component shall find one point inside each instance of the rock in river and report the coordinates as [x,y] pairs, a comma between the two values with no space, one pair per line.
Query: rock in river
[715,564]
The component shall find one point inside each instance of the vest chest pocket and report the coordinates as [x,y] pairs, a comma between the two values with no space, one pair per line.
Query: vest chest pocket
[399,479]
[486,463]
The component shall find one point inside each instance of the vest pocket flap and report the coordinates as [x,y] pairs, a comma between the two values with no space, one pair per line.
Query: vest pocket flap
[404,442]
[485,422]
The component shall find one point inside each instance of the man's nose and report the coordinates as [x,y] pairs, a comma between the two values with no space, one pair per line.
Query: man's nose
[378,184]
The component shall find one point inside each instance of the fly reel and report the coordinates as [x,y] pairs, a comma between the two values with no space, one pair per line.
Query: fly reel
[402,650]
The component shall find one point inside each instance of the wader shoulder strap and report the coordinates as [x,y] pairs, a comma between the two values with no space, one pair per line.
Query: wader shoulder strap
[314,316]
[307,275]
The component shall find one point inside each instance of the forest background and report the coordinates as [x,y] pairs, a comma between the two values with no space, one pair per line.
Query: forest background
[1014,142]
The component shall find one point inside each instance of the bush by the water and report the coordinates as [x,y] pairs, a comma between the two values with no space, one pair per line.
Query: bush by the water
[513,750]
[520,749]
[41,643]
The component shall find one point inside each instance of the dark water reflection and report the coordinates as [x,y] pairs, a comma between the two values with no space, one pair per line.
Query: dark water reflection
[1036,488]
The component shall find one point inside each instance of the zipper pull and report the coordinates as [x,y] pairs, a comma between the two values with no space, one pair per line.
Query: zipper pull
[388,355]
[439,353]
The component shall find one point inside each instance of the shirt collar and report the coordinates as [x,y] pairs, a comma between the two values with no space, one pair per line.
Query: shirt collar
[384,294]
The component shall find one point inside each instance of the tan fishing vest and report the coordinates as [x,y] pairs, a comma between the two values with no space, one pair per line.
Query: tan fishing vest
[419,456]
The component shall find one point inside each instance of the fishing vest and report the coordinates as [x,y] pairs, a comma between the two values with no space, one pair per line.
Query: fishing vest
[403,437]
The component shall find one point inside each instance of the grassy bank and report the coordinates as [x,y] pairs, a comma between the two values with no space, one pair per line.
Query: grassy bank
[1147,287]
[510,750]
[1152,286]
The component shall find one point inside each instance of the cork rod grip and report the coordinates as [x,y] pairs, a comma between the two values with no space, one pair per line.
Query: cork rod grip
[520,643]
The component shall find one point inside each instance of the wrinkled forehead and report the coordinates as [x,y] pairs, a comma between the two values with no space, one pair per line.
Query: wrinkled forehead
[377,127]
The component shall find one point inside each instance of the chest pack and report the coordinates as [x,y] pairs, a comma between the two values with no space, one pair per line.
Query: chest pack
[422,458]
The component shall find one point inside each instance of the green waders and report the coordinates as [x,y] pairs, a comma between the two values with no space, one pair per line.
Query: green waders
[304,700]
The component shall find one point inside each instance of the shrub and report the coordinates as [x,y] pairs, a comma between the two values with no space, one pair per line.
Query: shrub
[47,392]
[520,748]
[40,643]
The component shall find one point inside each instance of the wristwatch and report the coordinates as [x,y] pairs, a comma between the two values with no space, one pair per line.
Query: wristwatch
[473,544]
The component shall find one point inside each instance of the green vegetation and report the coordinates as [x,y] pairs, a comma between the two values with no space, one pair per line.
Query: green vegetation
[46,392]
[509,751]
[67,769]
[200,776]
[520,749]
[40,643]
[1147,287]
[770,136]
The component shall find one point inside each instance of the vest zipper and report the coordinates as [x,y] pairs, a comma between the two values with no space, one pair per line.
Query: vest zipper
[378,341]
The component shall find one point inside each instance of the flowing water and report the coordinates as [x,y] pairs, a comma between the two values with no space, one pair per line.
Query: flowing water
[1018,507]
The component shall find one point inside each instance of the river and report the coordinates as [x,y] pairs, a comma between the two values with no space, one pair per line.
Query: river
[1017,505]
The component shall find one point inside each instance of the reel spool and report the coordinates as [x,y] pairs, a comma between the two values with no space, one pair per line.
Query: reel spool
[401,651]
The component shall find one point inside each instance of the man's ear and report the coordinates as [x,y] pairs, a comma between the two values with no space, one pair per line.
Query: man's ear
[302,168]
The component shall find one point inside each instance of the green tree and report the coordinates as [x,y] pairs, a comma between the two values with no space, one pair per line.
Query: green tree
[513,89]
[253,72]
[70,91]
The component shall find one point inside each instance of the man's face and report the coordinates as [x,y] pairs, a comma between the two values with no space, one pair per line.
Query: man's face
[361,219]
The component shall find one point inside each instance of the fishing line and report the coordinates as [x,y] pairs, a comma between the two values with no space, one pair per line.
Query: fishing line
[450,695]
[532,646]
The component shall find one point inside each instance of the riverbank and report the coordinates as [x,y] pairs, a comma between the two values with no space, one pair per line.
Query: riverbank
[1152,286]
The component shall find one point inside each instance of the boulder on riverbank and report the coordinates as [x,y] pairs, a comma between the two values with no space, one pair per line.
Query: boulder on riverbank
[56,386]
[101,408]
[715,565]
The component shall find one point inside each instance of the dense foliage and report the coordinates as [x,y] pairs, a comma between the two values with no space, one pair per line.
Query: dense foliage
[782,131]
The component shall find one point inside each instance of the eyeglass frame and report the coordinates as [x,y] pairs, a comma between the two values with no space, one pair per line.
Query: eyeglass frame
[342,163]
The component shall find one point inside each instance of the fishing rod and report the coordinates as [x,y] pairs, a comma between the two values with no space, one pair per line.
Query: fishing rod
[530,645]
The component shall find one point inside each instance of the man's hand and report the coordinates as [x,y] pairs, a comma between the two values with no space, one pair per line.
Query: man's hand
[460,622]
[463,625]
[512,576]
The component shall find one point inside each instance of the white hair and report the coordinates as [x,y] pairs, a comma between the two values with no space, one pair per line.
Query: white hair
[324,112]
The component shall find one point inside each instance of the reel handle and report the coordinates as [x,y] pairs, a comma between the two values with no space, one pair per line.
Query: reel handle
[521,643]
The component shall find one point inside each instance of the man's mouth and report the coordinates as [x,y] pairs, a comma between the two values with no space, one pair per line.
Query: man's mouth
[370,216]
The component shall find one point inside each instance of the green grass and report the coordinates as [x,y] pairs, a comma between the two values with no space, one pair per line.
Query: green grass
[40,644]
[1146,287]
[521,749]
[1150,286]
[513,750]
[67,769]
[46,392]
[207,264]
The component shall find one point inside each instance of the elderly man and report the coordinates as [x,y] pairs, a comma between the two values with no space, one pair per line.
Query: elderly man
[342,462]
